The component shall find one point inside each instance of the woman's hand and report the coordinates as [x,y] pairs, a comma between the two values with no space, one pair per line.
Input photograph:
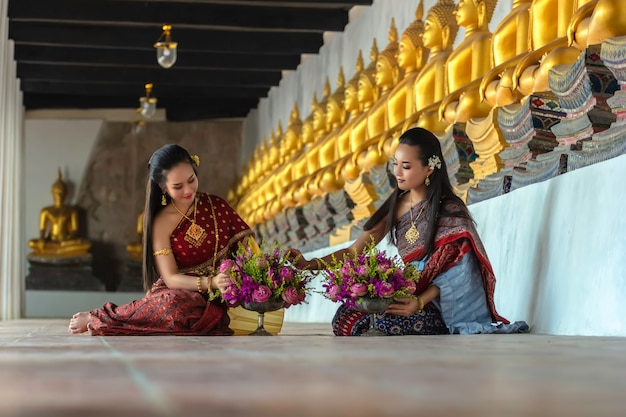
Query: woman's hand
[403,306]
[295,257]
[220,281]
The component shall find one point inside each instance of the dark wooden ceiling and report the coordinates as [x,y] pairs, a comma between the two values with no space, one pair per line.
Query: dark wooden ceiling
[99,53]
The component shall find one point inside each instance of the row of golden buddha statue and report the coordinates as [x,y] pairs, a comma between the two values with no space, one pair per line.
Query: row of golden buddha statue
[419,79]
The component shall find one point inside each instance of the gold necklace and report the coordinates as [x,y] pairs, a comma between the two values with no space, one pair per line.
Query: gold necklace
[413,234]
[195,234]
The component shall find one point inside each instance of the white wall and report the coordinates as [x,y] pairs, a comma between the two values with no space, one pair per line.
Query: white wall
[558,250]
[49,145]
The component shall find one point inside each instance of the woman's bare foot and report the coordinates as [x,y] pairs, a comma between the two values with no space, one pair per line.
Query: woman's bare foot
[79,321]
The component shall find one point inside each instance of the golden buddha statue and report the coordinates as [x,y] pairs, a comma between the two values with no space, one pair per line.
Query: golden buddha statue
[468,62]
[509,43]
[412,55]
[135,249]
[440,30]
[291,142]
[352,108]
[367,94]
[387,75]
[326,179]
[595,21]
[58,227]
[549,22]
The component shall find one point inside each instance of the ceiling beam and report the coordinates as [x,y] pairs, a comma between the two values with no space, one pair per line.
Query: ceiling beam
[144,37]
[161,90]
[257,16]
[147,58]
[142,75]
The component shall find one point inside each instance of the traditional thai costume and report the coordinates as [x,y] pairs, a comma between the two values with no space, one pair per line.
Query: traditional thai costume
[459,266]
[174,311]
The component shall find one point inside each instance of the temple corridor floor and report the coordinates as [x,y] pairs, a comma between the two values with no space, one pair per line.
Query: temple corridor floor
[45,371]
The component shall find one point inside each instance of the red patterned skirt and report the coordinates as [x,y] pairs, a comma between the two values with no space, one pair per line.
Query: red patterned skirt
[163,311]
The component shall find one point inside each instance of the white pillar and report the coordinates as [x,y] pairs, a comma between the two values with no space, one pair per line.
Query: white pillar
[11,176]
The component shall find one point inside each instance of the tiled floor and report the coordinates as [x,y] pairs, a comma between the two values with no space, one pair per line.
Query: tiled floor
[305,371]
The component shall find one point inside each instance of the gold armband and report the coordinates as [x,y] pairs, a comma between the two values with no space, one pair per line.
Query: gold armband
[165,251]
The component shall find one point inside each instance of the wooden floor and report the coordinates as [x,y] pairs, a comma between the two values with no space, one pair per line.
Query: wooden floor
[305,371]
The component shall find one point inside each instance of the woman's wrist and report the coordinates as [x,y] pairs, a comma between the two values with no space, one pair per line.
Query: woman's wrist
[420,304]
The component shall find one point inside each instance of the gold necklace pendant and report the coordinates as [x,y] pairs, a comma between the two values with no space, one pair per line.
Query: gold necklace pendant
[412,235]
[195,235]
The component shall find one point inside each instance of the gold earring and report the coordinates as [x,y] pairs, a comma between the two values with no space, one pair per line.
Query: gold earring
[427,181]
[163,200]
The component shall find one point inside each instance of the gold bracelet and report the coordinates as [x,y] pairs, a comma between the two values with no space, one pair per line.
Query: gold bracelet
[318,263]
[208,286]
[420,303]
[165,251]
[199,284]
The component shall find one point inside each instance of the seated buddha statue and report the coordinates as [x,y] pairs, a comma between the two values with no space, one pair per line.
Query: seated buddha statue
[327,179]
[509,43]
[399,102]
[386,76]
[58,227]
[352,108]
[595,21]
[135,249]
[412,55]
[367,94]
[291,140]
[549,21]
[440,30]
[468,62]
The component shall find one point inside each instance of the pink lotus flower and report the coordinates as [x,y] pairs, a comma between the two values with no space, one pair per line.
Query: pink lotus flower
[226,266]
[291,296]
[333,293]
[385,290]
[410,287]
[358,290]
[261,294]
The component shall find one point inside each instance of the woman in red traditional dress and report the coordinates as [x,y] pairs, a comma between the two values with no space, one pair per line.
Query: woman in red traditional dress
[432,228]
[186,236]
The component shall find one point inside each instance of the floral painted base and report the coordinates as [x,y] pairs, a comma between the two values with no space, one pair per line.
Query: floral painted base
[373,306]
[261,309]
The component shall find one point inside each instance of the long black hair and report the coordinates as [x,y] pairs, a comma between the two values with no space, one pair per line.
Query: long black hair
[161,161]
[439,192]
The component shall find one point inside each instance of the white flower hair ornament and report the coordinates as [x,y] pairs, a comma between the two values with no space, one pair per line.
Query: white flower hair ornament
[434,162]
[195,159]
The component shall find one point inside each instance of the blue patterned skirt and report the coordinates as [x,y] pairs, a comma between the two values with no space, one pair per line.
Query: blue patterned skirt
[349,322]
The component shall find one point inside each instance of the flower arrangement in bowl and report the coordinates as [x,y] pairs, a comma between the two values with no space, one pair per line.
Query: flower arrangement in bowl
[263,280]
[369,281]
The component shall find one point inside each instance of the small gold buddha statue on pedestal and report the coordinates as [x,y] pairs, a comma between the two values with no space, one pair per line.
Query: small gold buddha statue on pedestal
[58,228]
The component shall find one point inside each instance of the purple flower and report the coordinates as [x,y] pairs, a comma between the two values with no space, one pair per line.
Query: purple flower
[226,266]
[333,292]
[410,287]
[385,290]
[291,296]
[286,274]
[261,294]
[358,290]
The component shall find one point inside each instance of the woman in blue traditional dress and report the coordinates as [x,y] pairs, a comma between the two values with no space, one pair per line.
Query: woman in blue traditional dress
[432,228]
